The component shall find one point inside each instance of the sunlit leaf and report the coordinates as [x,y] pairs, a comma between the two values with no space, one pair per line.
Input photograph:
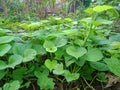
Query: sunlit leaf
[102,8]
[50,46]
[71,76]
[14,85]
[115,44]
[58,70]
[76,51]
[50,64]
[14,60]
[6,39]
[4,49]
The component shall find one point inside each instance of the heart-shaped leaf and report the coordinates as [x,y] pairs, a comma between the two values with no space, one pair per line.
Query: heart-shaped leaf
[94,54]
[58,70]
[6,39]
[71,76]
[4,49]
[14,60]
[29,55]
[50,46]
[76,51]
[50,64]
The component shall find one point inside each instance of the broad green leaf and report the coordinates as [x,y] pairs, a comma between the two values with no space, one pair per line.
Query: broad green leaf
[18,74]
[102,8]
[114,65]
[14,85]
[115,38]
[6,39]
[3,65]
[4,49]
[39,48]
[115,44]
[2,74]
[60,41]
[89,11]
[50,46]
[99,66]
[48,82]
[29,54]
[50,64]
[76,51]
[94,54]
[19,48]
[103,21]
[14,60]
[71,76]
[58,70]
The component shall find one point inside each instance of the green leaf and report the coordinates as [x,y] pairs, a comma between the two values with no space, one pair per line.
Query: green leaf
[48,82]
[29,55]
[68,62]
[101,77]
[2,74]
[58,70]
[114,65]
[50,46]
[14,60]
[50,64]
[71,76]
[4,49]
[102,8]
[94,54]
[19,48]
[76,51]
[99,66]
[6,39]
[3,65]
[18,74]
[60,41]
[39,48]
[115,44]
[15,85]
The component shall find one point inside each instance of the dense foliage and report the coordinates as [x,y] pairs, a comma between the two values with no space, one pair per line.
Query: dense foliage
[60,52]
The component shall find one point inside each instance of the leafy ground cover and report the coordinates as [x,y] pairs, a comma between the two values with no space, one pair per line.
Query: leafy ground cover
[61,53]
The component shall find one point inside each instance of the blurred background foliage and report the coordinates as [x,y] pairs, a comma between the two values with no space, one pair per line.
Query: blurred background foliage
[38,9]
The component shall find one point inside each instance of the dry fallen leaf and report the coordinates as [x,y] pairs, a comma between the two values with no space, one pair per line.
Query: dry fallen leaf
[112,80]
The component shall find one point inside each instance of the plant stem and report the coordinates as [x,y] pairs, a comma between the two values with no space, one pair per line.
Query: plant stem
[85,40]
[88,84]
